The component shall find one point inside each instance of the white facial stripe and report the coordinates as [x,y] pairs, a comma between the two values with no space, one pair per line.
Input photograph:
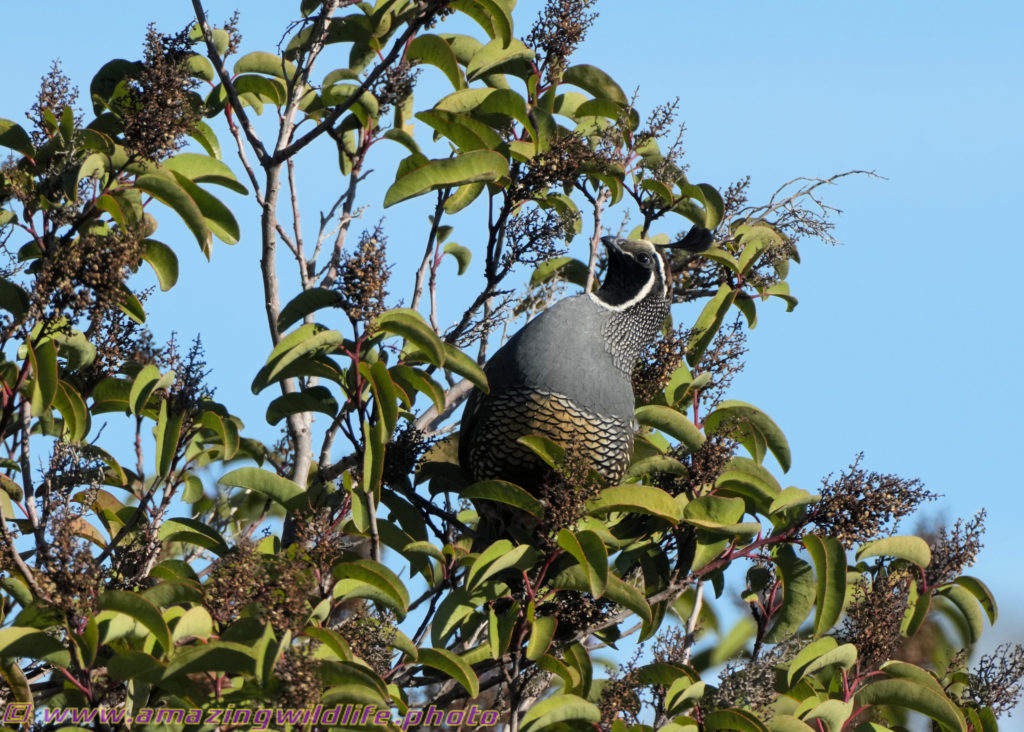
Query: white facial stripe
[644,292]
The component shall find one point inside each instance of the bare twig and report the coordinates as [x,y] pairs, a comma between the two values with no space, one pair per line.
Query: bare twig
[595,239]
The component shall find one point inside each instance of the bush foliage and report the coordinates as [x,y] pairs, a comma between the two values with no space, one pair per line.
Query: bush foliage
[197,567]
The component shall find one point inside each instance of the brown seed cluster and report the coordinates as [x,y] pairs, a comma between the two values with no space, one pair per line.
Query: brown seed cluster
[558,31]
[659,359]
[565,493]
[997,681]
[703,466]
[874,616]
[160,108]
[619,701]
[723,360]
[363,278]
[534,236]
[860,505]
[55,94]
[298,679]
[370,635]
[272,587]
[560,165]
[395,86]
[955,550]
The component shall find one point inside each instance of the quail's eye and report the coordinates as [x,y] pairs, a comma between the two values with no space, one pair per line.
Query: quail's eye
[643,258]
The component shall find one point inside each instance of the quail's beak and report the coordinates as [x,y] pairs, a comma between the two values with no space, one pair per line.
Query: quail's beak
[612,243]
[697,239]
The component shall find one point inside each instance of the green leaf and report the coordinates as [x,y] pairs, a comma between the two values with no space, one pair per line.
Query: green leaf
[168,432]
[494,16]
[145,383]
[733,719]
[431,49]
[547,450]
[914,549]
[204,169]
[500,629]
[219,656]
[507,493]
[672,423]
[308,341]
[494,54]
[798,594]
[984,596]
[44,375]
[462,197]
[820,654]
[637,499]
[410,325]
[163,260]
[459,363]
[709,322]
[752,428]
[589,551]
[73,409]
[12,136]
[911,694]
[217,217]
[967,604]
[557,709]
[788,723]
[468,167]
[569,269]
[410,380]
[13,299]
[16,642]
[261,62]
[833,712]
[594,80]
[791,497]
[542,631]
[194,532]
[499,556]
[829,559]
[313,399]
[272,485]
[714,513]
[367,578]
[139,609]
[448,663]
[575,578]
[165,188]
[462,255]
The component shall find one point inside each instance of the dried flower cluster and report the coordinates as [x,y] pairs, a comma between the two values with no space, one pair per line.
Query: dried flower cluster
[558,31]
[874,617]
[55,94]
[534,236]
[298,680]
[370,635]
[559,165]
[955,550]
[703,466]
[722,360]
[860,505]
[395,86]
[273,587]
[998,680]
[363,278]
[660,358]
[190,389]
[160,109]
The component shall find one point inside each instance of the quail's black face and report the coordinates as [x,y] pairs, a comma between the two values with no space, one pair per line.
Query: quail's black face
[636,271]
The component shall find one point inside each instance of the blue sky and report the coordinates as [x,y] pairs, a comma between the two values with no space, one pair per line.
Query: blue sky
[906,341]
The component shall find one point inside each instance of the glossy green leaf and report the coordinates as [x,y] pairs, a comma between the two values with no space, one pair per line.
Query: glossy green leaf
[14,137]
[507,493]
[44,375]
[431,49]
[13,299]
[410,325]
[165,188]
[559,709]
[982,593]
[461,254]
[918,607]
[798,594]
[463,196]
[459,363]
[569,269]
[139,609]
[217,217]
[831,654]
[367,578]
[73,409]
[191,531]
[752,428]
[148,380]
[468,167]
[589,551]
[163,260]
[833,712]
[217,655]
[636,498]
[411,380]
[204,169]
[500,628]
[594,80]
[260,62]
[672,423]
[168,432]
[913,549]
[385,394]
[17,642]
[788,723]
[911,694]
[733,719]
[829,559]
[272,485]
[499,556]
[790,498]
[314,399]
[448,663]
[967,604]
[708,323]
[308,341]
[542,631]
[495,53]
[575,578]
[494,16]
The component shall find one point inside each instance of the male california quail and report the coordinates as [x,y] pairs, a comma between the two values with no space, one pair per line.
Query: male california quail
[566,375]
